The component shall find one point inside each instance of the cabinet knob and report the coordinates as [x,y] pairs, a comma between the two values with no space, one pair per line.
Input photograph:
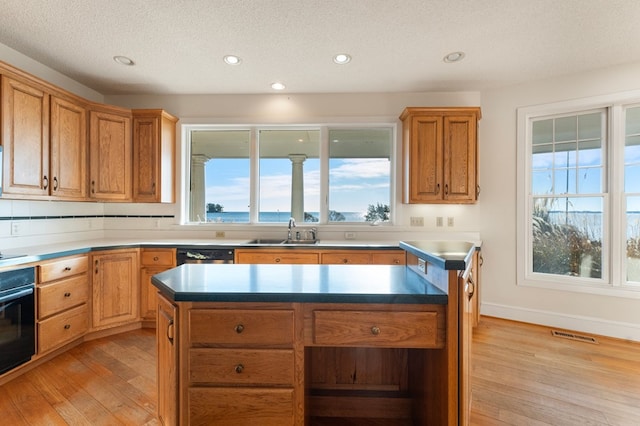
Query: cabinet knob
[156,258]
[239,368]
[277,259]
[375,330]
[239,328]
[67,268]
[345,260]
[67,294]
[67,326]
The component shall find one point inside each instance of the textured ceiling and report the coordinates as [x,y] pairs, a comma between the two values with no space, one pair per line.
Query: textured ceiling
[397,45]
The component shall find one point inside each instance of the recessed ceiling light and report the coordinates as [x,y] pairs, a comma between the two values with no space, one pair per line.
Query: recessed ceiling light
[277,86]
[454,57]
[123,60]
[342,58]
[232,59]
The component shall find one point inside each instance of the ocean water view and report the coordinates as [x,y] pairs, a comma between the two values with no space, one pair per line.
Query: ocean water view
[275,217]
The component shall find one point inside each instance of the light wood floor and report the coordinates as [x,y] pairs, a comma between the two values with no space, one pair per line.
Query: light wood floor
[521,376]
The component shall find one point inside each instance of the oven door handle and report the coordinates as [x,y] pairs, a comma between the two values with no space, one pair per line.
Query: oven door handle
[16,295]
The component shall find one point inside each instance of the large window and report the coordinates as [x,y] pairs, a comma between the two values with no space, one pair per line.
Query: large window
[579,212]
[267,175]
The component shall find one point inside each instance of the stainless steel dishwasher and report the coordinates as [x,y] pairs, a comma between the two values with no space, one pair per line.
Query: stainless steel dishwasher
[203,255]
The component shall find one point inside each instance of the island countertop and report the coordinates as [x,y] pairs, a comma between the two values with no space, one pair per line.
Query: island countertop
[297,283]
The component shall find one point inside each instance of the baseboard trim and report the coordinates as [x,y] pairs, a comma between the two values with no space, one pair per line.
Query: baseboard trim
[618,330]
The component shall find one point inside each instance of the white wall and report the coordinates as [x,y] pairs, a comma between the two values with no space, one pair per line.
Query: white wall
[501,296]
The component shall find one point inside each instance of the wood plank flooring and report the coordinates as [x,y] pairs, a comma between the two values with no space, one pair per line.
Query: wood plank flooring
[521,376]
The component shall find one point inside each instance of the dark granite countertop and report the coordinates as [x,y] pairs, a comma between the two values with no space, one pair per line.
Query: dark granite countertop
[297,283]
[449,255]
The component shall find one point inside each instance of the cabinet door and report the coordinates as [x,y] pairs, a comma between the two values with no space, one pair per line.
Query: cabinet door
[68,149]
[110,156]
[460,168]
[153,156]
[425,159]
[115,288]
[167,374]
[25,138]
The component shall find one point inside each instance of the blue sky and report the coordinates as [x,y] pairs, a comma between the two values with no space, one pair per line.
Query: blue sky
[354,184]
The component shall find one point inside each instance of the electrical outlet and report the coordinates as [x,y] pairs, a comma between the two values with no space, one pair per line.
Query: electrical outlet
[220,234]
[16,228]
[416,221]
[349,235]
[450,221]
[439,221]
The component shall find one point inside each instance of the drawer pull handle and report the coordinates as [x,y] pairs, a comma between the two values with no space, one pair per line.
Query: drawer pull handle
[239,328]
[67,294]
[375,330]
[67,326]
[239,368]
[67,268]
[170,331]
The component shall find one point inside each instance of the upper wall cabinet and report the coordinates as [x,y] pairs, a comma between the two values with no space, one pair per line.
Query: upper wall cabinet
[110,151]
[154,146]
[440,155]
[25,137]
[45,139]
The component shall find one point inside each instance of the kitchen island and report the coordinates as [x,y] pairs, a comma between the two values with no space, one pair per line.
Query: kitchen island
[314,344]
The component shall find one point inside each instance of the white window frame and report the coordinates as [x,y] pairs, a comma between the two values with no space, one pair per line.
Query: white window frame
[185,150]
[613,282]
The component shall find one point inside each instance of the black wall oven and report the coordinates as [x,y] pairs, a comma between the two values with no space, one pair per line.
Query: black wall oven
[17,317]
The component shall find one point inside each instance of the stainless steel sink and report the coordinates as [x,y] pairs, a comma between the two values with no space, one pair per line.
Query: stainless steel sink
[279,241]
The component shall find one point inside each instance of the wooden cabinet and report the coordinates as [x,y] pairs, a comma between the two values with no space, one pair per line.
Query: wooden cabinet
[62,301]
[25,137]
[152,261]
[110,154]
[115,287]
[319,256]
[268,256]
[68,149]
[51,156]
[243,367]
[440,155]
[154,146]
[363,257]
[167,362]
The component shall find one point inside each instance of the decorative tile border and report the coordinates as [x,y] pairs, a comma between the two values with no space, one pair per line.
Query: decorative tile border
[88,216]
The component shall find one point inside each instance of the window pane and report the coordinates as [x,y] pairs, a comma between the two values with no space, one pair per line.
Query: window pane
[589,180]
[220,176]
[590,126]
[567,236]
[542,131]
[359,174]
[633,239]
[289,175]
[541,182]
[565,129]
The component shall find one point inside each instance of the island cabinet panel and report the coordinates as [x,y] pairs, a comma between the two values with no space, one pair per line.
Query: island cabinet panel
[241,406]
[243,365]
[380,329]
[167,364]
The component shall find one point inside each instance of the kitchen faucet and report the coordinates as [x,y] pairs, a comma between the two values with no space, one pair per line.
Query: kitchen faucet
[292,224]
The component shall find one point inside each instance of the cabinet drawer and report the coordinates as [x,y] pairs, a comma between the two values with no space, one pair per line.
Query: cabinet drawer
[62,328]
[62,295]
[62,268]
[285,257]
[166,257]
[241,327]
[240,406]
[241,366]
[388,258]
[381,329]
[346,258]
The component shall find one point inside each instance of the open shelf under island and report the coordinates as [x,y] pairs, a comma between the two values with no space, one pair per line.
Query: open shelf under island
[318,344]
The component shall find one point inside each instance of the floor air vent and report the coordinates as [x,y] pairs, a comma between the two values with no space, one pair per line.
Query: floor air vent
[573,336]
